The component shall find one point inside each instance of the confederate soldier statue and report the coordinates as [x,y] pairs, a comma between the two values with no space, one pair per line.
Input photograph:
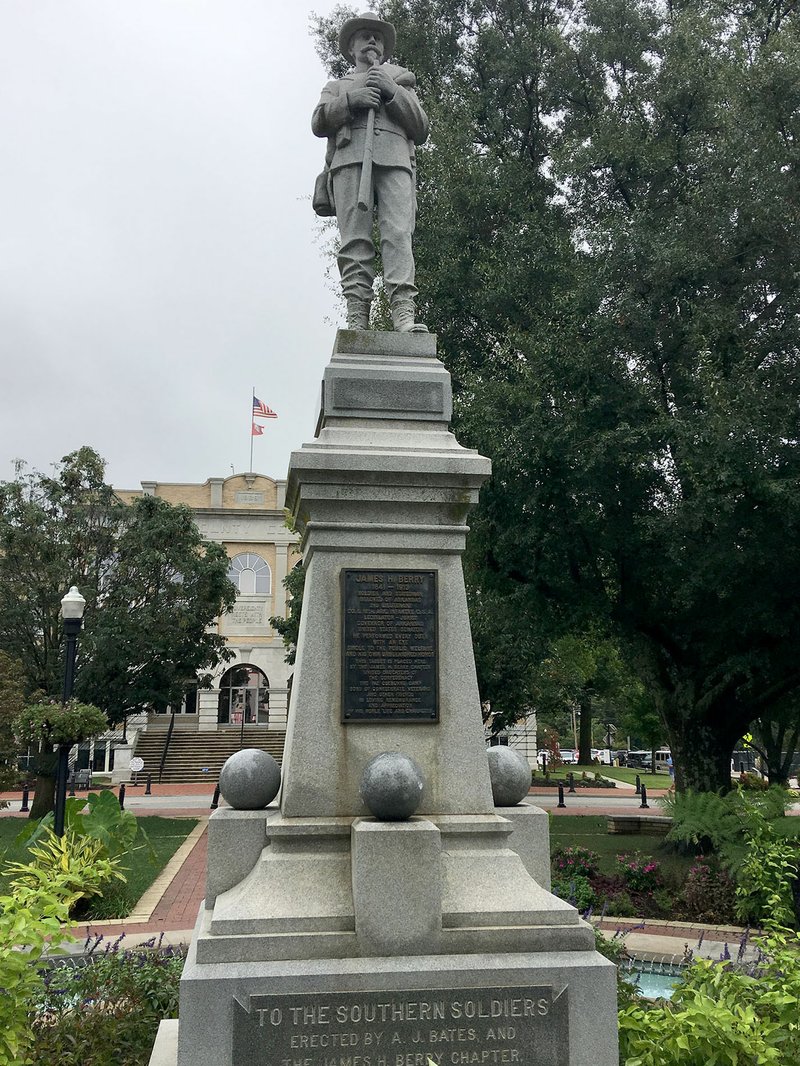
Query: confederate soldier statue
[372,119]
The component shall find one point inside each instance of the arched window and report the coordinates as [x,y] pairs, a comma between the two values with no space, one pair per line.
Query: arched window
[243,696]
[250,574]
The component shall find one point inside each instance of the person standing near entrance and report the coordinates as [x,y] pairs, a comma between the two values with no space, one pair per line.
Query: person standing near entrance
[373,120]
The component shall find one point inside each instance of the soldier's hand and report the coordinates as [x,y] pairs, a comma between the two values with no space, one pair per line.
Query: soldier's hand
[377,78]
[366,99]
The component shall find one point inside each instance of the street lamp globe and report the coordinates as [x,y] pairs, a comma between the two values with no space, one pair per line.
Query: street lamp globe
[73,604]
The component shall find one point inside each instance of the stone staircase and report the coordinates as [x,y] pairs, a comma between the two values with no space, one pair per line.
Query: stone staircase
[199,757]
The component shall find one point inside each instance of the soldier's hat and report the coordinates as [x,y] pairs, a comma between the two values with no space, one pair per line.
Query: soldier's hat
[368,21]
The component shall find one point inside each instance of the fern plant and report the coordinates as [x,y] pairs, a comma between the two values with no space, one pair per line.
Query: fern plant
[701,821]
[708,821]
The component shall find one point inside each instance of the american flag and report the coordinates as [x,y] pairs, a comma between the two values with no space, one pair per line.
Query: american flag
[257,430]
[260,409]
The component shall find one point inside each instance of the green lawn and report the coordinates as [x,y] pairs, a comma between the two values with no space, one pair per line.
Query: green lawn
[591,831]
[618,773]
[140,867]
[622,773]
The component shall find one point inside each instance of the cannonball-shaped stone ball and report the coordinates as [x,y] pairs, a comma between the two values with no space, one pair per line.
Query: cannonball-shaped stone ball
[250,779]
[391,786]
[510,775]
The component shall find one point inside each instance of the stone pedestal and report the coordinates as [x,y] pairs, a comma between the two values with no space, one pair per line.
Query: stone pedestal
[328,937]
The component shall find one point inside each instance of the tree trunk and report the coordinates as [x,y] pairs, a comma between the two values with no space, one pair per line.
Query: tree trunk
[774,740]
[585,734]
[45,795]
[701,756]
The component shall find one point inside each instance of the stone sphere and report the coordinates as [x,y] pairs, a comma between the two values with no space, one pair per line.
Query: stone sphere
[250,779]
[510,775]
[391,786]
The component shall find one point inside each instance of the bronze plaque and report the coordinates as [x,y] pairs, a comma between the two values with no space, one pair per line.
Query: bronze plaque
[507,1026]
[390,667]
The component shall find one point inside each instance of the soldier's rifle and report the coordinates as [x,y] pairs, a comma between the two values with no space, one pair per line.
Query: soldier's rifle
[365,185]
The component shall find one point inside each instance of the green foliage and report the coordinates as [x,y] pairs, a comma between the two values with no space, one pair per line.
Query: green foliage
[161,597]
[622,906]
[704,821]
[59,723]
[740,828]
[123,995]
[765,874]
[104,821]
[708,894]
[707,821]
[54,532]
[575,889]
[30,920]
[289,627]
[752,782]
[584,670]
[152,586]
[608,218]
[640,873]
[573,859]
[80,862]
[12,700]
[721,1015]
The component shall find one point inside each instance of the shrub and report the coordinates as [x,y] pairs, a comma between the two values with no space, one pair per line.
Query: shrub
[79,861]
[622,906]
[29,919]
[108,1010]
[575,890]
[574,860]
[639,873]
[709,894]
[765,875]
[721,1013]
[59,723]
[753,782]
[104,821]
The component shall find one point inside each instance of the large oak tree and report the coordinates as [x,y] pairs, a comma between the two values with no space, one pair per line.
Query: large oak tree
[609,217]
[153,588]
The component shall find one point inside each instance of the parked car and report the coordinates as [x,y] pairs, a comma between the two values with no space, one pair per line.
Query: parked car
[640,760]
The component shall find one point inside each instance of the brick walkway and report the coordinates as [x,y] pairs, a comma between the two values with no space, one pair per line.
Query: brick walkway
[177,909]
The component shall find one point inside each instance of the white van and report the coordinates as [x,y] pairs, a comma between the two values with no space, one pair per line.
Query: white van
[663,760]
[642,760]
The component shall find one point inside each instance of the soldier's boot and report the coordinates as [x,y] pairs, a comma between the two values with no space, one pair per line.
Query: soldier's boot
[357,313]
[403,318]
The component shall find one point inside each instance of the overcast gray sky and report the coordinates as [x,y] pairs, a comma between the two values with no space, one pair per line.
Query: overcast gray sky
[159,256]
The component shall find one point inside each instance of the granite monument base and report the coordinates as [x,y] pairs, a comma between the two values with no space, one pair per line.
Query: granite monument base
[539,1009]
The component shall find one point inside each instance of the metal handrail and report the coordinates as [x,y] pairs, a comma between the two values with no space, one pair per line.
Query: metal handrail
[166,745]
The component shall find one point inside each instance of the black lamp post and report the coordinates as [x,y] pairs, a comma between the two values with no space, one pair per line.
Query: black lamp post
[72,613]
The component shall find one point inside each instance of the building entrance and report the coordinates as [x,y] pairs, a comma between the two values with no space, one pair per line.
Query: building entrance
[243,696]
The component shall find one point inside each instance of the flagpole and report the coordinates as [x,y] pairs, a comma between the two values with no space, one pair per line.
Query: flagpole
[252,404]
